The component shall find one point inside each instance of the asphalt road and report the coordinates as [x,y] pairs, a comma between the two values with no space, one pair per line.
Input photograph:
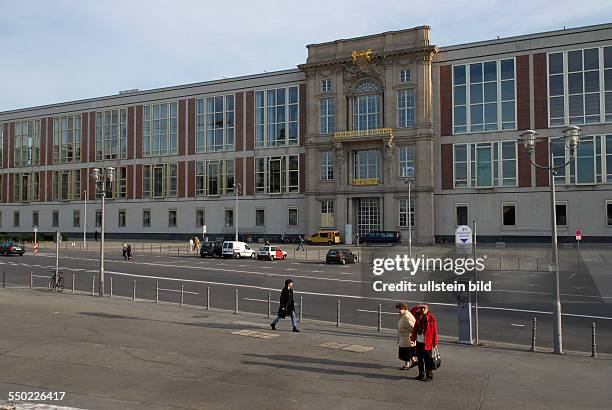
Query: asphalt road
[505,315]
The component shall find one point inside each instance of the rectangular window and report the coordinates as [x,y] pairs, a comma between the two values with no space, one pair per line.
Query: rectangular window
[609,213]
[405,75]
[67,139]
[404,213]
[561,213]
[27,143]
[16,219]
[366,164]
[229,217]
[260,217]
[405,108]
[66,185]
[276,117]
[55,219]
[327,115]
[215,123]
[588,164]
[485,164]
[111,134]
[98,218]
[214,177]
[461,214]
[293,217]
[277,175]
[160,129]
[327,165]
[200,221]
[1,146]
[76,218]
[327,214]
[159,181]
[406,161]
[508,214]
[26,186]
[146,218]
[484,96]
[367,112]
[171,218]
[326,86]
[35,219]
[122,216]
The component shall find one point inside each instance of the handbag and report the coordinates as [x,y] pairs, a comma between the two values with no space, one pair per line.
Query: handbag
[435,358]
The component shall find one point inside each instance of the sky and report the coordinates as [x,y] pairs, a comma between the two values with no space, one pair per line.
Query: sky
[65,50]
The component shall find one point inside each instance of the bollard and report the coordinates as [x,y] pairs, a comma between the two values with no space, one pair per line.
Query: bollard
[31,280]
[269,303]
[208,298]
[134,290]
[379,316]
[160,248]
[533,335]
[182,294]
[537,263]
[151,248]
[294,254]
[110,278]
[593,342]
[3,279]
[318,255]
[236,302]
[306,251]
[338,314]
[156,291]
[73,280]
[178,249]
[301,303]
[93,285]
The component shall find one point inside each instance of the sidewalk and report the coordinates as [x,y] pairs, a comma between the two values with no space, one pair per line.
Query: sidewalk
[137,355]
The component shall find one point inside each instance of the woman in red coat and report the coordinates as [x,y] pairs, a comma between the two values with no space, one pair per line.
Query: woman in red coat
[425,333]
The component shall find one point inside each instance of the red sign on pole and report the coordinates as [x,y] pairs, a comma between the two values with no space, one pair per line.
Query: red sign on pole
[578,235]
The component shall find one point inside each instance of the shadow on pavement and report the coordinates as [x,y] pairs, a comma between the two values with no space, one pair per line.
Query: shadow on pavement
[315,360]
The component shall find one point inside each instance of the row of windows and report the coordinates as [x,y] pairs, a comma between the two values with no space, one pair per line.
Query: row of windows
[366,163]
[405,76]
[328,220]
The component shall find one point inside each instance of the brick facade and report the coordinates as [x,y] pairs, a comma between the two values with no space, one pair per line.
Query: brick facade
[446,100]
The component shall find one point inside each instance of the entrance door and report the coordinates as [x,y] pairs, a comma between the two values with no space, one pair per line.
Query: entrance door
[368,215]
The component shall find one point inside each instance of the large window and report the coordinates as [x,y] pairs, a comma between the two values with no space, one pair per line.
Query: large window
[111,134]
[276,117]
[27,143]
[26,186]
[590,165]
[1,145]
[484,96]
[276,175]
[327,214]
[215,124]
[485,164]
[67,139]
[327,115]
[367,110]
[160,130]
[576,92]
[366,164]
[327,165]
[405,108]
[159,181]
[405,214]
[215,177]
[67,185]
[406,161]
[117,188]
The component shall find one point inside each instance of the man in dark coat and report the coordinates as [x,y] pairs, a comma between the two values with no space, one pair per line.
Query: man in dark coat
[287,307]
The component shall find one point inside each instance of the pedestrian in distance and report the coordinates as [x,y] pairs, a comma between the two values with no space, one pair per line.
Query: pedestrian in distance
[129,251]
[407,347]
[301,243]
[425,334]
[267,243]
[191,245]
[96,235]
[124,249]
[287,307]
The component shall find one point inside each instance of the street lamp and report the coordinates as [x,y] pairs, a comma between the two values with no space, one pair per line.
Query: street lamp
[408,180]
[237,192]
[85,222]
[102,177]
[571,136]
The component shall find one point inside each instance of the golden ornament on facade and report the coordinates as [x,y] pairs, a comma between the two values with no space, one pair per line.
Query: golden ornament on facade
[362,58]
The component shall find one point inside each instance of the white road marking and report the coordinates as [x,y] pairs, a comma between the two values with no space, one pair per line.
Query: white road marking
[517,325]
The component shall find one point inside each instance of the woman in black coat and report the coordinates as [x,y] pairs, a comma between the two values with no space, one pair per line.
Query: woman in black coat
[287,307]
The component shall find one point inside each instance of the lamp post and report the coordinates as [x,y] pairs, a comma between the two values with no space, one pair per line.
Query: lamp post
[408,179]
[237,192]
[571,136]
[85,222]
[102,177]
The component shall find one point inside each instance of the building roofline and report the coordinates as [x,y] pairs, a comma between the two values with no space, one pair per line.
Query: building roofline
[367,36]
[130,93]
[522,37]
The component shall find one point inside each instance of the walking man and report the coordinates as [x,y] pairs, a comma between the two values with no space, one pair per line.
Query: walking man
[287,307]
[96,235]
[301,244]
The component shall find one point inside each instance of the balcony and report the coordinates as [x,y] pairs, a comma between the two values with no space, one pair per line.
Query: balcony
[364,135]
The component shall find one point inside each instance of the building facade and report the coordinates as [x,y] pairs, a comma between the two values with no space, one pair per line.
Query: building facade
[332,145]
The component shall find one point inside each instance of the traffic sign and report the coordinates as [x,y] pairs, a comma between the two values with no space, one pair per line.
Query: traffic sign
[463,235]
[578,234]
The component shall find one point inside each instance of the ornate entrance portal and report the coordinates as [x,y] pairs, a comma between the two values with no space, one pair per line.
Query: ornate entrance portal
[368,215]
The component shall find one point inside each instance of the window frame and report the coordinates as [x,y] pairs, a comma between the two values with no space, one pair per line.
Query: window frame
[405,76]
[148,127]
[327,115]
[171,223]
[260,224]
[407,112]
[327,162]
[508,204]
[26,144]
[146,223]
[60,131]
[120,213]
[202,117]
[461,205]
[297,217]
[76,218]
[497,164]
[564,204]
[266,141]
[104,134]
[405,213]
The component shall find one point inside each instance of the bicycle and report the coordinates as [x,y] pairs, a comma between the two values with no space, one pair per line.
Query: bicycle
[57,284]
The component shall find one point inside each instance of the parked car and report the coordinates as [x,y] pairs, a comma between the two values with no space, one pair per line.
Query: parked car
[271,253]
[12,248]
[212,249]
[389,237]
[235,249]
[324,237]
[340,256]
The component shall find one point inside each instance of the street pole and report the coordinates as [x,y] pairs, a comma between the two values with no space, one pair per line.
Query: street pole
[409,219]
[476,280]
[557,326]
[236,190]
[101,287]
[85,222]
[57,241]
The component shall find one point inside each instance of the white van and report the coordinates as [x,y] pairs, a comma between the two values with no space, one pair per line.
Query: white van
[235,249]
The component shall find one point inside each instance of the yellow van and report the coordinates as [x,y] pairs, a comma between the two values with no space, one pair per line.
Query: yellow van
[324,237]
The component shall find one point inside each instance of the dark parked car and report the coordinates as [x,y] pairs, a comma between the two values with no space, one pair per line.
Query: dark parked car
[12,248]
[380,237]
[342,256]
[212,249]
